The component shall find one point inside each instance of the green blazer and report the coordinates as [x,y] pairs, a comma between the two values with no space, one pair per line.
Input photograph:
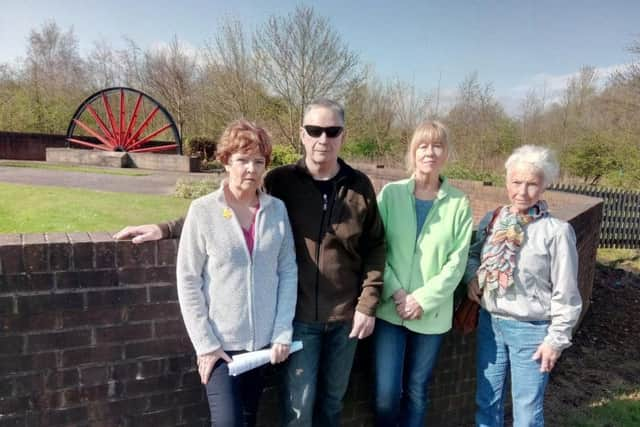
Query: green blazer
[430,267]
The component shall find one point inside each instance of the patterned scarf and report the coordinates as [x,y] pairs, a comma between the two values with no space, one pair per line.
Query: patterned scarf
[502,245]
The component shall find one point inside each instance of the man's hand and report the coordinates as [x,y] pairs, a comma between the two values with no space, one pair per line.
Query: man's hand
[362,325]
[206,362]
[548,357]
[279,353]
[139,233]
[474,293]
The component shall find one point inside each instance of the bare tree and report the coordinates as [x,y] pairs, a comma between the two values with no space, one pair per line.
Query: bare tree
[532,110]
[104,66]
[371,117]
[229,74]
[410,105]
[52,56]
[169,73]
[54,74]
[479,126]
[301,57]
[575,101]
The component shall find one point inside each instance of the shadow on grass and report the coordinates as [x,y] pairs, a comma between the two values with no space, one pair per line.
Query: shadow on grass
[621,410]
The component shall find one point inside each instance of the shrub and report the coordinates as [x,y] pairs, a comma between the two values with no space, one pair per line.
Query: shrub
[361,148]
[200,146]
[212,166]
[458,170]
[190,189]
[283,154]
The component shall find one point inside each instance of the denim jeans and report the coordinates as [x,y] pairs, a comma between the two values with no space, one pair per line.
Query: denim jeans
[404,362]
[506,346]
[315,379]
[233,401]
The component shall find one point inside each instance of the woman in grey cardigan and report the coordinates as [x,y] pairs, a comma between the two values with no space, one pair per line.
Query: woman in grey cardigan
[237,276]
[522,269]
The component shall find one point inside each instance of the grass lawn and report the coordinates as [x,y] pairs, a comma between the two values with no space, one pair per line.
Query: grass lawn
[32,209]
[620,258]
[72,168]
[622,409]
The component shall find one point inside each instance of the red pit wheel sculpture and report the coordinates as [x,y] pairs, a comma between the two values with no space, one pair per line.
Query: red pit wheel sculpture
[103,123]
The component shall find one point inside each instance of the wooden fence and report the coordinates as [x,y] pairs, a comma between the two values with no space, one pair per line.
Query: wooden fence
[621,214]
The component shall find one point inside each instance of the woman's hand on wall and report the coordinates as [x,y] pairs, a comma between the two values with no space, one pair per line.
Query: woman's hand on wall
[206,362]
[279,353]
[547,355]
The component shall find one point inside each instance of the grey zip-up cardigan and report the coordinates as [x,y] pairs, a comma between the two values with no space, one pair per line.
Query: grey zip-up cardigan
[228,298]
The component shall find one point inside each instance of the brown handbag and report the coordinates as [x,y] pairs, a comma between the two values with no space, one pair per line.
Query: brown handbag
[465,316]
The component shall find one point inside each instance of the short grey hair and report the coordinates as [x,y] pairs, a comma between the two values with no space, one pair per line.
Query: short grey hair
[325,103]
[540,158]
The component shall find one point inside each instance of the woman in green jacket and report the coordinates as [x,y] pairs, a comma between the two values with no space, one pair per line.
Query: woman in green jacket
[428,228]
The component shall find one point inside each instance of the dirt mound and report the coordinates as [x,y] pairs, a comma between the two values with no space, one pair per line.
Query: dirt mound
[605,355]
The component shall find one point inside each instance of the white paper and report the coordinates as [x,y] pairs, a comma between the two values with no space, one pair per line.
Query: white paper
[247,361]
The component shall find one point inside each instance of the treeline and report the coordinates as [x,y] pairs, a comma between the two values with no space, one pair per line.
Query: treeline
[270,74]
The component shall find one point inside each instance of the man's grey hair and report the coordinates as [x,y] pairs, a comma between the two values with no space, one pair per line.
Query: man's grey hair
[325,103]
[540,158]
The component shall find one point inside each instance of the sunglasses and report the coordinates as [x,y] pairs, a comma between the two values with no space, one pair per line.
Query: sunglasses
[317,131]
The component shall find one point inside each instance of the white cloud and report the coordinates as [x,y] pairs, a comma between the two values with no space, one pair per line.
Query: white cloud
[190,50]
[550,86]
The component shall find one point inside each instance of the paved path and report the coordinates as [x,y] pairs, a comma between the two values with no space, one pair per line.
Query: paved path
[157,182]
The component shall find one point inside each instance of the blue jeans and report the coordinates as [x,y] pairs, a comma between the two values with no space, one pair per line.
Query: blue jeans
[404,362]
[503,347]
[233,401]
[315,379]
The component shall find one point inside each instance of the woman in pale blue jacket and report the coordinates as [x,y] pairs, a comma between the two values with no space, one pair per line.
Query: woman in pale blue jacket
[523,270]
[237,276]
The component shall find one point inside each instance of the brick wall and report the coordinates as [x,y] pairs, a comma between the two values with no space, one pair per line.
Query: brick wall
[91,333]
[28,146]
[32,146]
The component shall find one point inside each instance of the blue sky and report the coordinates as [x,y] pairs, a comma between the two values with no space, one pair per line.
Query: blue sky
[513,44]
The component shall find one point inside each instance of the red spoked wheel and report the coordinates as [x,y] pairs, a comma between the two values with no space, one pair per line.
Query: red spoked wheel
[103,122]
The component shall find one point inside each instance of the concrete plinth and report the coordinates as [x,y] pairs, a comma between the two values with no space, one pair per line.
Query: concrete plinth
[117,159]
[113,159]
[172,162]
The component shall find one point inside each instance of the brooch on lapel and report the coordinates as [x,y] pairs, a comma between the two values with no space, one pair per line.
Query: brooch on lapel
[227,213]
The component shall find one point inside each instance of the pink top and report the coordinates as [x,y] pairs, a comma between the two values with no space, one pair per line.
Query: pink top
[249,235]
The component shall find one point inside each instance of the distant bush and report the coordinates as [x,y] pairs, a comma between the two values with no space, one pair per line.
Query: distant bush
[283,154]
[592,157]
[364,148]
[460,171]
[202,146]
[190,189]
[212,166]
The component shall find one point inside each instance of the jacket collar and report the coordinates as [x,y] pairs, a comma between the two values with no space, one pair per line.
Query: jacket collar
[345,169]
[443,192]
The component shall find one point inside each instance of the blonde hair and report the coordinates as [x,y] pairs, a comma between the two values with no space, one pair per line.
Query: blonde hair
[431,131]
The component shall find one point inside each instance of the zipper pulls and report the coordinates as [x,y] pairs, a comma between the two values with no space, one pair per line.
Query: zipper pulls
[324,202]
